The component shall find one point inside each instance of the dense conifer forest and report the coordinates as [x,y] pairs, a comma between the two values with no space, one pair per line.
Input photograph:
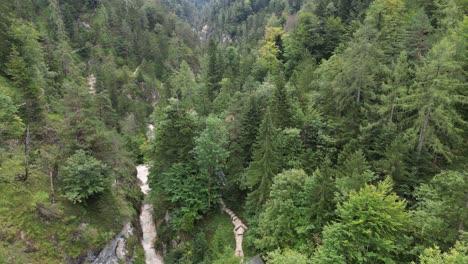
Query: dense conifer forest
[321,131]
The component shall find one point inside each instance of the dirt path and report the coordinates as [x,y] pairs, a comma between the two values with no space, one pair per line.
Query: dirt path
[239,229]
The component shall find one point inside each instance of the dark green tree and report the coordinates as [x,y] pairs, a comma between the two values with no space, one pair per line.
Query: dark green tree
[173,138]
[250,123]
[441,213]
[263,168]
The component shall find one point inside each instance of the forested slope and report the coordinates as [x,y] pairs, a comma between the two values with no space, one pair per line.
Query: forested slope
[78,80]
[336,130]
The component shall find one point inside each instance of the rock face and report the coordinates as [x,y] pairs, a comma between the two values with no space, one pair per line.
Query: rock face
[116,251]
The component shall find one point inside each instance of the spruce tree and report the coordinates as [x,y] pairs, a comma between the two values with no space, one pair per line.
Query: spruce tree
[263,168]
[173,138]
[250,122]
[281,112]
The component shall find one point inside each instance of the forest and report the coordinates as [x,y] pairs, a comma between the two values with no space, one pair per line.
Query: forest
[328,131]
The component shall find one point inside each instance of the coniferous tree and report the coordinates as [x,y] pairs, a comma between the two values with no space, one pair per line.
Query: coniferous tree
[281,112]
[250,122]
[320,190]
[11,125]
[442,213]
[436,95]
[264,166]
[17,69]
[173,138]
[352,175]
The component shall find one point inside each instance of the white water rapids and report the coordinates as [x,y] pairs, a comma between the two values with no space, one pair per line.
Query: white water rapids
[146,221]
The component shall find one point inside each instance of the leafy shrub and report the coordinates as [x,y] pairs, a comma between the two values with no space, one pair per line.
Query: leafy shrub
[84,176]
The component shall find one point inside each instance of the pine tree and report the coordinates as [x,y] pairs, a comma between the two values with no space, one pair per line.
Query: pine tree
[395,88]
[281,113]
[173,138]
[213,71]
[417,35]
[250,122]
[183,84]
[11,125]
[18,70]
[435,98]
[352,175]
[320,190]
[263,168]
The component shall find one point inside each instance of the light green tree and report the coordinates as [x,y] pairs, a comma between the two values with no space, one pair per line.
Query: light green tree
[211,152]
[11,125]
[370,228]
[84,177]
[284,221]
[457,255]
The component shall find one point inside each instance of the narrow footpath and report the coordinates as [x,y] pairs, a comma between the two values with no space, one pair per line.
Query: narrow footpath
[239,229]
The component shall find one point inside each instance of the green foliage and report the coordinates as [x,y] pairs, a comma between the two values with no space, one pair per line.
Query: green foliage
[84,177]
[240,91]
[188,193]
[226,257]
[173,138]
[441,209]
[284,221]
[370,228]
[262,169]
[211,153]
[320,204]
[249,128]
[438,80]
[288,256]
[458,254]
[11,125]
[352,175]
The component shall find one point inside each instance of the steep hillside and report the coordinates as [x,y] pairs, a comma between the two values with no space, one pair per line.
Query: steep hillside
[288,131]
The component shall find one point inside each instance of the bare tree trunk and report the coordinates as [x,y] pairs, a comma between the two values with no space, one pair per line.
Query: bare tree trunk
[52,192]
[26,153]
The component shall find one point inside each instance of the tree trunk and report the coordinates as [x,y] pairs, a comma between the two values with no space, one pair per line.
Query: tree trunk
[26,153]
[52,192]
